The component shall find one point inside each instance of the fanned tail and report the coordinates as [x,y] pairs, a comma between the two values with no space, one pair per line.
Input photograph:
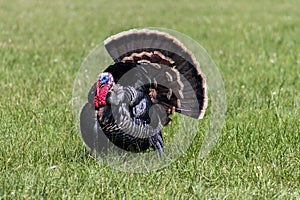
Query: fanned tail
[171,71]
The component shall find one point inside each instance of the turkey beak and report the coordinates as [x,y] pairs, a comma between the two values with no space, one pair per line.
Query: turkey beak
[100,84]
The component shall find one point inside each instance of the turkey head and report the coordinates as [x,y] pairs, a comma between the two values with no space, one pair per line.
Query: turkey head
[104,83]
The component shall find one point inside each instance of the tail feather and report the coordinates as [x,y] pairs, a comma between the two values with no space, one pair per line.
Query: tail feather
[165,61]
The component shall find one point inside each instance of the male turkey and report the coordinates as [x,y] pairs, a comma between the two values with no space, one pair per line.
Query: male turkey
[153,76]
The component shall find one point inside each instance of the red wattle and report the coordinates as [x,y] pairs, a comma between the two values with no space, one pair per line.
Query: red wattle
[100,98]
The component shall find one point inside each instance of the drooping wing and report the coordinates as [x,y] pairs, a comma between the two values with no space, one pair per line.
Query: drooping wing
[91,133]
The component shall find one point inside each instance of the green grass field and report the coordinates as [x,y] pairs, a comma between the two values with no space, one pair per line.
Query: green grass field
[256,47]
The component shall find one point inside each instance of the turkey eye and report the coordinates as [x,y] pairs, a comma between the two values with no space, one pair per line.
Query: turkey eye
[104,79]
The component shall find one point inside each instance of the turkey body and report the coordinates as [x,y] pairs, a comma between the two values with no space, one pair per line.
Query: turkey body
[154,76]
[127,121]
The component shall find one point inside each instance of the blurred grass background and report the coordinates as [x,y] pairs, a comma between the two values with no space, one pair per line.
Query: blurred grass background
[256,47]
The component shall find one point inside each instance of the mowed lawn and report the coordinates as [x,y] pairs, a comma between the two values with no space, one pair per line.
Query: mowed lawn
[256,47]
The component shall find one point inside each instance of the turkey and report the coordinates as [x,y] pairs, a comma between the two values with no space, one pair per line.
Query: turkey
[152,77]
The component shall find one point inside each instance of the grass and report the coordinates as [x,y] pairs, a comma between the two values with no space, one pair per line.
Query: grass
[255,46]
